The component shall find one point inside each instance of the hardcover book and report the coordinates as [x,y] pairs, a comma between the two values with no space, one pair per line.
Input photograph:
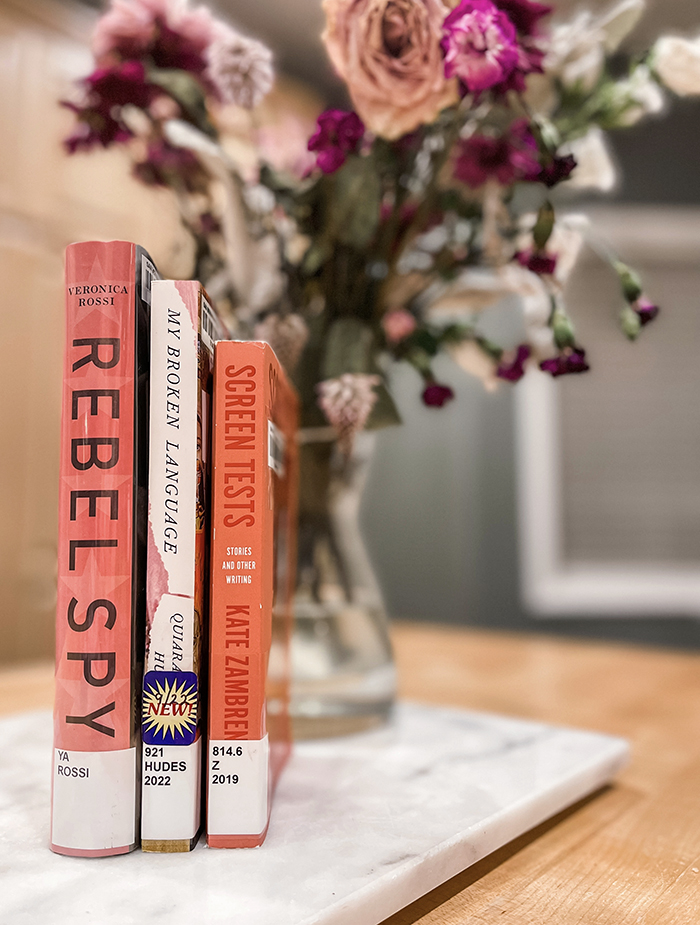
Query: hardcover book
[254,507]
[101,549]
[184,328]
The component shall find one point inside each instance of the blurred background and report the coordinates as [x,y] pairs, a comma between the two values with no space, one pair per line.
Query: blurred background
[571,508]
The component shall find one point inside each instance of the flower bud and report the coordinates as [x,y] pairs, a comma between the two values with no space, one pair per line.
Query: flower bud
[630,322]
[563,330]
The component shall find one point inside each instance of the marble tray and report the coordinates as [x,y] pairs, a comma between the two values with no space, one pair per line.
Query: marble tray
[361,826]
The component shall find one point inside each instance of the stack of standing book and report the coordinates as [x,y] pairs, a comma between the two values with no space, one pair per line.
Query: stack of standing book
[177,512]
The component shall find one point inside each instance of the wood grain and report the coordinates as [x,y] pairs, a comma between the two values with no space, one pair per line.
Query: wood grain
[628,855]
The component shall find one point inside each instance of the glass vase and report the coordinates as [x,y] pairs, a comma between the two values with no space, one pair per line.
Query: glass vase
[343,675]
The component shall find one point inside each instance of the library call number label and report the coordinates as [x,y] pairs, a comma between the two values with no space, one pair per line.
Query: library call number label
[237,786]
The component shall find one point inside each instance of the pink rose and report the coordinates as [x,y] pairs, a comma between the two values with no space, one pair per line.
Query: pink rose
[398,325]
[388,52]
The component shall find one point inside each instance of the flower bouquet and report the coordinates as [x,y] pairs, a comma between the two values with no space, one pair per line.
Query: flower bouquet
[395,225]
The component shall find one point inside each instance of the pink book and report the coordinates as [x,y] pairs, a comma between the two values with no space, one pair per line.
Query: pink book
[101,550]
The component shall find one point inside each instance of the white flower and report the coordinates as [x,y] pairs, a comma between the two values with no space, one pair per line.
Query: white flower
[640,93]
[677,62]
[347,402]
[241,68]
[594,165]
[578,48]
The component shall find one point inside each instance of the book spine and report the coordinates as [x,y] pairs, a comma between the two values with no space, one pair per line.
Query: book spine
[101,553]
[238,774]
[172,744]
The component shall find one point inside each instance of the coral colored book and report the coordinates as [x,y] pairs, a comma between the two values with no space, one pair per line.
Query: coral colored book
[101,604]
[253,555]
[184,328]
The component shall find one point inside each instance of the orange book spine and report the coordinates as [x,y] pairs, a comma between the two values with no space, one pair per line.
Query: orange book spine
[101,550]
[242,763]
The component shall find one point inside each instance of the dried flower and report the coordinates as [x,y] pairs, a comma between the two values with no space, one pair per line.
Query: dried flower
[677,62]
[512,365]
[388,52]
[240,68]
[557,170]
[398,325]
[572,360]
[338,134]
[506,158]
[166,165]
[436,395]
[646,310]
[94,128]
[538,262]
[480,45]
[286,334]
[169,33]
[347,403]
[116,86]
[127,29]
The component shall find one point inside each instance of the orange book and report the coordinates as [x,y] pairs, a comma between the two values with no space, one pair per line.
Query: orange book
[253,556]
[101,550]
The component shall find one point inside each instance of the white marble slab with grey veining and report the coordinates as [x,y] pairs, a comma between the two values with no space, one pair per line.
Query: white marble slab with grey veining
[361,826]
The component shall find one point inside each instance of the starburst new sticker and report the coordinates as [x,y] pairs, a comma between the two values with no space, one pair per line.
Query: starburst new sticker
[169,711]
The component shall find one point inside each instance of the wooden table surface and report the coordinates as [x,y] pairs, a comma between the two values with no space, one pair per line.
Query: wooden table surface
[629,855]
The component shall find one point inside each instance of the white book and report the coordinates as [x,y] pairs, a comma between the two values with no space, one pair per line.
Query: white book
[184,327]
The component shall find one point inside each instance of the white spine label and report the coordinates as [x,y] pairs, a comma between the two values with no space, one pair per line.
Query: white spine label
[237,788]
[171,791]
[94,799]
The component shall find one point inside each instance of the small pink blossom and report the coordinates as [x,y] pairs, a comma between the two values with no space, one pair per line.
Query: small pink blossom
[480,45]
[398,325]
[240,68]
[347,403]
[283,143]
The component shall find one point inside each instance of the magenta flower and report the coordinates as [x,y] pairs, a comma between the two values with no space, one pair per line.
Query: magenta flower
[646,310]
[94,128]
[120,85]
[338,134]
[558,170]
[166,165]
[537,262]
[480,45]
[436,395]
[572,360]
[507,158]
[512,368]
